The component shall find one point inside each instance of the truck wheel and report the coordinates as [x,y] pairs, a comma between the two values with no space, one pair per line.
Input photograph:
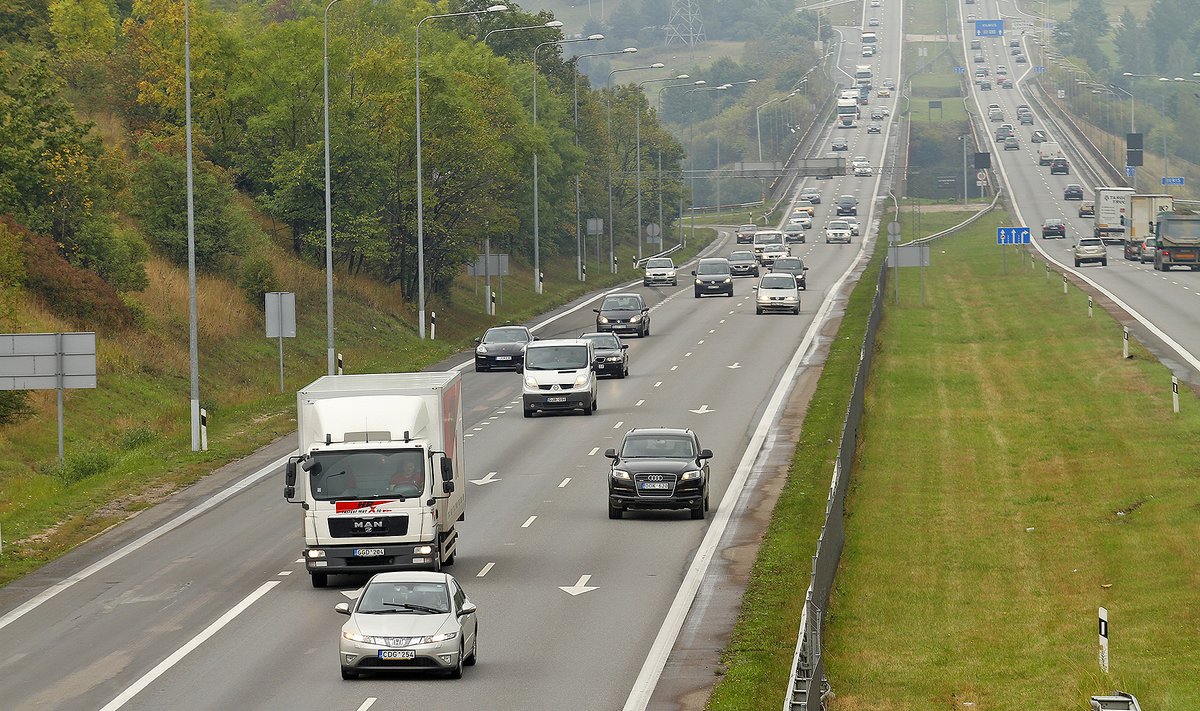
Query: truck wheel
[615,511]
[320,580]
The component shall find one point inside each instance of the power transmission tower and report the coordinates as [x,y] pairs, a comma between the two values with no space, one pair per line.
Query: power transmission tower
[686,26]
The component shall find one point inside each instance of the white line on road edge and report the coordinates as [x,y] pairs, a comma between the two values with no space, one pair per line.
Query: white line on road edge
[146,538]
[367,704]
[660,651]
[149,677]
[485,570]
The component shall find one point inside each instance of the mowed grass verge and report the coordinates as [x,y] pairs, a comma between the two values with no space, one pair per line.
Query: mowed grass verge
[1014,475]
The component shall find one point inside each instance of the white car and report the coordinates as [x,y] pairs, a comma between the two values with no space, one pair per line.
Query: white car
[837,231]
[777,292]
[558,375]
[660,270]
[801,220]
[862,170]
[853,222]
[408,621]
[868,51]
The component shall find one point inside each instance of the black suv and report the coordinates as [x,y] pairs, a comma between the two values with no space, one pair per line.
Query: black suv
[659,468]
[713,277]
[611,356]
[794,266]
[1060,166]
[847,205]
[623,312]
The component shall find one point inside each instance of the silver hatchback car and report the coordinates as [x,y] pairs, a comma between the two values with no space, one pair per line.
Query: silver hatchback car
[408,621]
[1090,249]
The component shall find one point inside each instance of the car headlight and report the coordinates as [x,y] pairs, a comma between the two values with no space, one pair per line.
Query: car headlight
[435,638]
[356,637]
[581,379]
[688,476]
[531,382]
[699,282]
[481,349]
[620,474]
[635,319]
[728,280]
[613,359]
[601,319]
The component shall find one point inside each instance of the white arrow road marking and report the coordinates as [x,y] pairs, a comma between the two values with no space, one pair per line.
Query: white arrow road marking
[735,365]
[687,355]
[485,570]
[660,382]
[529,522]
[703,410]
[491,477]
[674,367]
[580,587]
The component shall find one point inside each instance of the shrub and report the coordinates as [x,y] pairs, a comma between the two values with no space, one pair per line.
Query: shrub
[83,465]
[14,406]
[136,437]
[12,261]
[257,278]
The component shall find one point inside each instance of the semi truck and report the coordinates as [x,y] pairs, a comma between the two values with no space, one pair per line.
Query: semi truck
[1177,241]
[380,473]
[862,75]
[1111,214]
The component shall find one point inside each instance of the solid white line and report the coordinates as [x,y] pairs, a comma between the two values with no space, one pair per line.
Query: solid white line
[367,704]
[485,570]
[529,521]
[593,452]
[564,482]
[162,667]
[37,600]
[619,423]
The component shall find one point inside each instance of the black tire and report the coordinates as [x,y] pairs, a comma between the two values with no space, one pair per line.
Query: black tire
[589,409]
[625,373]
[622,373]
[1104,263]
[479,368]
[758,311]
[456,672]
[615,512]
[697,295]
[471,660]
[674,282]
[698,512]
[320,580]
[527,412]
[348,674]
[595,404]
[647,331]
[797,312]
[1076,262]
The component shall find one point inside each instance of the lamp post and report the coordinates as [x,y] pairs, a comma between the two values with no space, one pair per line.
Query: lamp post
[420,201]
[553,24]
[578,227]
[718,170]
[698,82]
[692,153]
[537,257]
[612,262]
[638,159]
[758,124]
[328,208]
[193,347]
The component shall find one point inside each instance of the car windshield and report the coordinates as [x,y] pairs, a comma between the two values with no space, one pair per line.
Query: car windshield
[624,302]
[740,256]
[366,474]
[777,281]
[556,358]
[660,263]
[420,598]
[774,238]
[713,268]
[782,264]
[603,340]
[747,228]
[1052,223]
[839,225]
[505,335]
[667,446]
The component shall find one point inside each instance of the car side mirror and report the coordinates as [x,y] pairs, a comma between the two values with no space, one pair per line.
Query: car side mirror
[478,340]
[610,453]
[754,288]
[596,310]
[468,608]
[342,608]
[645,309]
[693,272]
[706,454]
[535,338]
[624,346]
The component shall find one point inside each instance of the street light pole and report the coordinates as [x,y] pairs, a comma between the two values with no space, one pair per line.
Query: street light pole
[420,196]
[193,338]
[612,261]
[638,158]
[537,257]
[553,24]
[692,153]
[328,210]
[698,82]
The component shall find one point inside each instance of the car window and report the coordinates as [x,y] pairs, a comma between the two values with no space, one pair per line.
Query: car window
[404,598]
[740,256]
[1089,242]
[460,597]
[788,264]
[505,335]
[772,238]
[839,225]
[706,267]
[660,263]
[556,358]
[621,303]
[777,281]
[603,340]
[657,446]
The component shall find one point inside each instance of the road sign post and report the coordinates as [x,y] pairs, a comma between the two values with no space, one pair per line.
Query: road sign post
[1103,629]
[989,28]
[281,321]
[1176,180]
[1125,342]
[48,361]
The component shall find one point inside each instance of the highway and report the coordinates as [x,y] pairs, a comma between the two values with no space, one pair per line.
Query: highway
[214,610]
[1166,305]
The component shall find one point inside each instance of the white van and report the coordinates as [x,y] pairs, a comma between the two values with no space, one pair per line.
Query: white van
[559,375]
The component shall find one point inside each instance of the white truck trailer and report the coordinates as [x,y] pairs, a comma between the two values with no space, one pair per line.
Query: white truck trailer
[1112,214]
[1143,214]
[380,474]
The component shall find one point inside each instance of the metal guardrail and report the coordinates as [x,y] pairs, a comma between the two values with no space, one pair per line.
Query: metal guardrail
[713,209]
[1077,137]
[639,263]
[951,230]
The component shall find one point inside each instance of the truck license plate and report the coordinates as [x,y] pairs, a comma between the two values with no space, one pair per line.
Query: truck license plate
[397,654]
[368,552]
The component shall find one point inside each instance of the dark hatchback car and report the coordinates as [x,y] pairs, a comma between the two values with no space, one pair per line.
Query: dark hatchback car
[624,313]
[659,468]
[713,276]
[502,347]
[743,263]
[611,356]
[1073,192]
[794,266]
[1060,166]
[1054,227]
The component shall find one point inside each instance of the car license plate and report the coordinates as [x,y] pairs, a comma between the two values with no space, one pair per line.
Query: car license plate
[556,399]
[397,654]
[368,552]
[503,357]
[666,485]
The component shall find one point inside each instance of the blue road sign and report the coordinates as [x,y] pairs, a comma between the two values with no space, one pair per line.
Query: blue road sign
[1039,69]
[1173,181]
[1130,171]
[960,70]
[989,28]
[1012,235]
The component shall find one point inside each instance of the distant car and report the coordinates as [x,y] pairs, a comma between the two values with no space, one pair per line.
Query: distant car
[874,128]
[889,83]
[793,234]
[812,195]
[745,233]
[873,22]
[884,93]
[1038,137]
[976,44]
[408,621]
[1054,227]
[853,222]
[777,292]
[875,3]
[1006,83]
[970,18]
[840,144]
[868,51]
[795,267]
[995,115]
[803,205]
[1014,43]
[660,270]
[1060,166]
[979,59]
[847,205]
[1021,59]
[623,313]
[1146,249]
[1026,119]
[801,220]
[877,114]
[1012,144]
[985,85]
[713,276]
[743,263]
[611,355]
[1087,209]
[502,347]
[1003,134]
[1090,249]
[659,468]
[1072,191]
[837,231]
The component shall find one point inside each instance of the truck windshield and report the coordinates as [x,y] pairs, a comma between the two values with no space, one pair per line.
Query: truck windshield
[556,358]
[367,474]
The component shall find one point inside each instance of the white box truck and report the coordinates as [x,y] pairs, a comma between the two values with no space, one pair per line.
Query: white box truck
[380,474]
[1143,214]
[1048,151]
[1112,212]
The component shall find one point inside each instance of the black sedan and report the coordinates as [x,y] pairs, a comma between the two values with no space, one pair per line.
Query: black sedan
[1073,192]
[1054,227]
[502,347]
[611,356]
[623,313]
[743,263]
[659,468]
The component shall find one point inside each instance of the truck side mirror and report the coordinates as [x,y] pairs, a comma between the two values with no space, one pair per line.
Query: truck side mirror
[447,469]
[447,487]
[289,492]
[289,470]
